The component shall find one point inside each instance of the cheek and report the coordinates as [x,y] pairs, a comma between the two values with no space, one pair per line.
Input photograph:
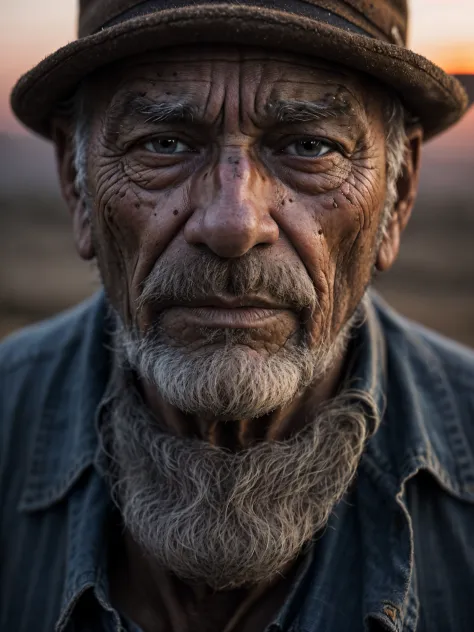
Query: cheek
[334,234]
[132,228]
[363,197]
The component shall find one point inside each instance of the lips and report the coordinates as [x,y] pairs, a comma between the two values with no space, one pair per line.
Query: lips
[231,312]
[238,317]
[231,303]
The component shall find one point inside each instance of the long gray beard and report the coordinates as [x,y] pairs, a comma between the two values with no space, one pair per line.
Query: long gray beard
[231,519]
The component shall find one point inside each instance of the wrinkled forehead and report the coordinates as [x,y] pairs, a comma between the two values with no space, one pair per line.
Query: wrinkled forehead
[252,77]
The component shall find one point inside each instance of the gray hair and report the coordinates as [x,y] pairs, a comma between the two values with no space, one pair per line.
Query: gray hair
[395,117]
[74,109]
[395,142]
[81,143]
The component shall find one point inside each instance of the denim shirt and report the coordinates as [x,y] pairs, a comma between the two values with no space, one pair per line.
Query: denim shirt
[397,554]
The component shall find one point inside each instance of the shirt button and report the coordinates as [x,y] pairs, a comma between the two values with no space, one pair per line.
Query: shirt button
[390,612]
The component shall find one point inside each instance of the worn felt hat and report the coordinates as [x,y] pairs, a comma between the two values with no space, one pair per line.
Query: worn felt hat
[369,36]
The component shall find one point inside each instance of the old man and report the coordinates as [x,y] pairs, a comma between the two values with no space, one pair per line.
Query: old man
[236,435]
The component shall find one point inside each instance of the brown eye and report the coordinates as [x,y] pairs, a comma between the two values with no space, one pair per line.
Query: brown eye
[308,148]
[166,146]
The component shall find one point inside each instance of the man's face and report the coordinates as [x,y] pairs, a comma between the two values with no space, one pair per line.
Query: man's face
[236,198]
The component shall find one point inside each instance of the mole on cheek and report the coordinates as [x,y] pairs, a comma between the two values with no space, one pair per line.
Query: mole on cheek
[175,212]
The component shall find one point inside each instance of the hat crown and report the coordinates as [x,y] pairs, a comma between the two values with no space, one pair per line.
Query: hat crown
[382,19]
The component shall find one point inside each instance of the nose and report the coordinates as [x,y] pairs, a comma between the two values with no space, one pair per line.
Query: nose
[232,209]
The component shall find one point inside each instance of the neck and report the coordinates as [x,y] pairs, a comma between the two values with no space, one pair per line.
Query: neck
[155,599]
[238,434]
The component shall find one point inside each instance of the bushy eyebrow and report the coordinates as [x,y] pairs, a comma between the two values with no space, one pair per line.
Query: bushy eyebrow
[164,112]
[291,111]
[136,108]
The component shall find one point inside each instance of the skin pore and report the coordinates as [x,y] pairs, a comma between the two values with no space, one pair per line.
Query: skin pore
[214,150]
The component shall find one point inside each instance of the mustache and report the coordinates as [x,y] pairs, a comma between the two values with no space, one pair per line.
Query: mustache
[203,274]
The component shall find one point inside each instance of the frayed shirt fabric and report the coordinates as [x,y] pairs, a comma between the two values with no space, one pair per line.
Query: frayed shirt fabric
[396,556]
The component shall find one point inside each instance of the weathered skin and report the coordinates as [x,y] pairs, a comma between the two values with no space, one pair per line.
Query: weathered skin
[237,185]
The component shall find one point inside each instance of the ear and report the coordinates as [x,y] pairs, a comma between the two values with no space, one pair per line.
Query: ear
[64,147]
[407,185]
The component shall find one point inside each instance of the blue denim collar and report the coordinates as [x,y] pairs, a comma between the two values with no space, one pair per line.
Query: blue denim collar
[67,420]
[421,428]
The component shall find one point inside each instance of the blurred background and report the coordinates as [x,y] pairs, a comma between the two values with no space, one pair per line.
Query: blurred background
[40,273]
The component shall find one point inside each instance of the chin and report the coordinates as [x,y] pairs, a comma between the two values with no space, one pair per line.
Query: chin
[230,382]
[228,374]
[225,379]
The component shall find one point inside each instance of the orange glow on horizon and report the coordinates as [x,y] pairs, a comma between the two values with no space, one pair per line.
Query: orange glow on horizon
[455,58]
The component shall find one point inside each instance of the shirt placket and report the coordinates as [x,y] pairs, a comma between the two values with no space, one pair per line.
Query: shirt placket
[391,601]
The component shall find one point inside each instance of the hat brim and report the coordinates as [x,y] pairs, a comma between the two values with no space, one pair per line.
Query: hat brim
[437,99]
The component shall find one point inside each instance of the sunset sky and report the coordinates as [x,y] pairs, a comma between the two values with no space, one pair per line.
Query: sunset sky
[442,30]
